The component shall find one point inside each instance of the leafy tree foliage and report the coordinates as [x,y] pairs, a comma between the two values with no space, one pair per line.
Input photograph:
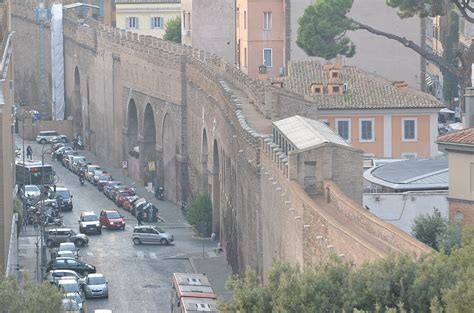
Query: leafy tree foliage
[435,282]
[435,231]
[173,30]
[325,22]
[199,214]
[28,297]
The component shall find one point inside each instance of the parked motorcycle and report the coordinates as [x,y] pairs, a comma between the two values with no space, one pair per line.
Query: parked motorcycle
[160,193]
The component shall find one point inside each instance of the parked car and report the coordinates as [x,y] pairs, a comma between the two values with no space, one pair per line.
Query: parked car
[53,276]
[64,194]
[90,171]
[55,236]
[59,138]
[137,205]
[65,158]
[78,298]
[89,222]
[60,152]
[46,136]
[151,234]
[101,176]
[30,190]
[73,159]
[112,219]
[121,194]
[70,306]
[112,195]
[110,190]
[103,180]
[76,162]
[109,184]
[68,247]
[96,286]
[80,267]
[128,202]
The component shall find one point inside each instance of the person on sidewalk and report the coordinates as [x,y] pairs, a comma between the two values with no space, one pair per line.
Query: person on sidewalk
[139,217]
[29,153]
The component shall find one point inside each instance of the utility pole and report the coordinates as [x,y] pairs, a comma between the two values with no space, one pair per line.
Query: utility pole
[42,16]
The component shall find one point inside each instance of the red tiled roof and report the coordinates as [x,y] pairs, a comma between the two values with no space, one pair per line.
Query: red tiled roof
[465,136]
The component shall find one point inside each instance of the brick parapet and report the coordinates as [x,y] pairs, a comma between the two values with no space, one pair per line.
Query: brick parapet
[387,233]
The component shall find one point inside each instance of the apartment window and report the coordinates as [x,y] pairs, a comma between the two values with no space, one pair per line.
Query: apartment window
[335,89]
[366,130]
[267,20]
[409,129]
[132,22]
[343,127]
[245,19]
[157,22]
[267,57]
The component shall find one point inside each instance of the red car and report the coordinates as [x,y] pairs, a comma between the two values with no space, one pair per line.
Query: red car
[121,195]
[112,219]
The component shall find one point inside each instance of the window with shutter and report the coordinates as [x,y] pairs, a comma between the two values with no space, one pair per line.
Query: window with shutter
[267,57]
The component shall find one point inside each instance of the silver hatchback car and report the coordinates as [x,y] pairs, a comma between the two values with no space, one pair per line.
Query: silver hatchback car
[151,234]
[96,286]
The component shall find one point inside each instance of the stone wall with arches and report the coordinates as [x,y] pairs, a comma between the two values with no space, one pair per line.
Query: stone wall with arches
[142,99]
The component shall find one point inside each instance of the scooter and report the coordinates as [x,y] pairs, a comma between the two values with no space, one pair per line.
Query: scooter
[81,180]
[160,193]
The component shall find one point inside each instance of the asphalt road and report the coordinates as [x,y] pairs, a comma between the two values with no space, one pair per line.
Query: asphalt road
[139,276]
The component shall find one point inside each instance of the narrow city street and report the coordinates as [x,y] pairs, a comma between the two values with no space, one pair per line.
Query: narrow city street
[139,276]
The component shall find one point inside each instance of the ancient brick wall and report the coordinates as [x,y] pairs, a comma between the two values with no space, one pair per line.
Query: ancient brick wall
[175,104]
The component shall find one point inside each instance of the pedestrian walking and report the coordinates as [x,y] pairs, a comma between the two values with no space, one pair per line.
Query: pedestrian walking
[139,217]
[29,152]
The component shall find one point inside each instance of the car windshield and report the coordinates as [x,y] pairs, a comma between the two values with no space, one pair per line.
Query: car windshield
[113,214]
[70,287]
[90,218]
[104,177]
[96,280]
[63,193]
[67,247]
[31,188]
[125,193]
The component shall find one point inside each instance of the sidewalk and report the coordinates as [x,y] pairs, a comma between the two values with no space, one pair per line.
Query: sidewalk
[27,253]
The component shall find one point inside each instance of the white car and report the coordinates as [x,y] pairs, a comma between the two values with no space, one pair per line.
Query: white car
[68,248]
[55,275]
[30,191]
[46,136]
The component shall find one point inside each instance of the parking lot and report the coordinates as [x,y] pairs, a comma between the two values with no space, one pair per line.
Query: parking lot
[139,275]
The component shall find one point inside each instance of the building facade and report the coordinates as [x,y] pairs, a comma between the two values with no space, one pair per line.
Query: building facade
[460,148]
[260,36]
[146,17]
[382,118]
[7,181]
[209,25]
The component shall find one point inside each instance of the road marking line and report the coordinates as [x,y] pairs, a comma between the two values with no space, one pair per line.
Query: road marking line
[140,255]
[153,255]
[90,253]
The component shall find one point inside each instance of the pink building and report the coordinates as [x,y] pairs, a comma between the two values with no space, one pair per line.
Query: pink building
[264,44]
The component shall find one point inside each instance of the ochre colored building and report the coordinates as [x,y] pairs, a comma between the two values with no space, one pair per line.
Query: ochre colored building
[382,118]
[460,148]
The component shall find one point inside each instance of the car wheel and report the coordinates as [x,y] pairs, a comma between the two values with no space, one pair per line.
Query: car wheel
[100,231]
[123,227]
[43,141]
[79,243]
[49,243]
[163,241]
[137,241]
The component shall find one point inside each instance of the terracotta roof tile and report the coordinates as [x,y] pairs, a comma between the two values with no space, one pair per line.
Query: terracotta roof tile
[365,91]
[465,136]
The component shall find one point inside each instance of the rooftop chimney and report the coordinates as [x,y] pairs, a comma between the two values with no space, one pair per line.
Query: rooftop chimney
[469,105]
[338,62]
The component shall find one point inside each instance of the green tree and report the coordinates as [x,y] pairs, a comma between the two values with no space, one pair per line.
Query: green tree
[323,27]
[173,30]
[28,297]
[429,228]
[434,282]
[199,214]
